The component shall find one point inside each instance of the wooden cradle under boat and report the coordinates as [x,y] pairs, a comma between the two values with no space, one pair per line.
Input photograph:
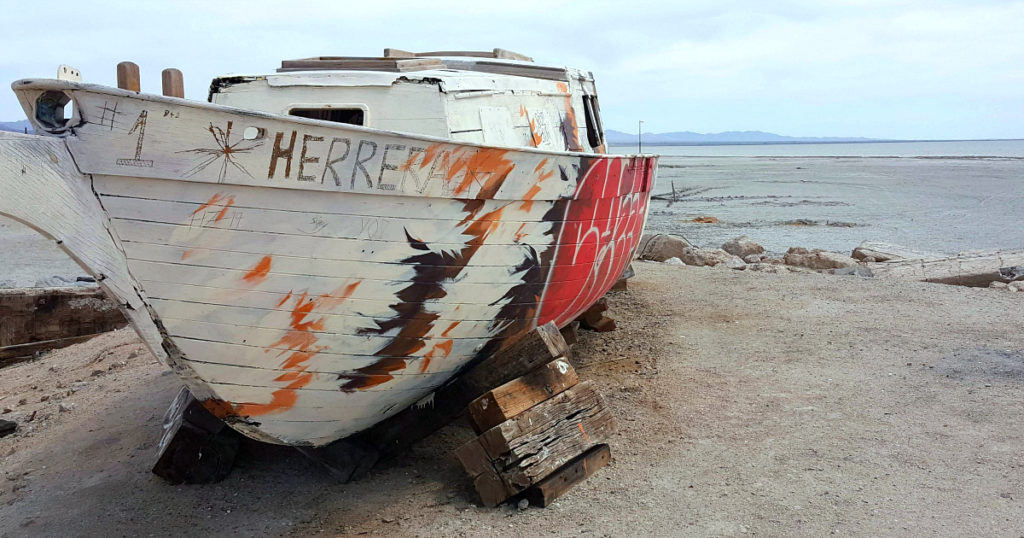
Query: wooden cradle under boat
[318,249]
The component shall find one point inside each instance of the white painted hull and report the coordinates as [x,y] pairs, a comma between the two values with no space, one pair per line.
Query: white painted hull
[302,291]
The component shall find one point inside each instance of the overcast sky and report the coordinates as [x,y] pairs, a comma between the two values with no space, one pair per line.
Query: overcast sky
[935,69]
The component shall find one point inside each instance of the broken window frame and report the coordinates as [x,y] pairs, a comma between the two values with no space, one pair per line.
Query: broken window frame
[349,115]
[592,113]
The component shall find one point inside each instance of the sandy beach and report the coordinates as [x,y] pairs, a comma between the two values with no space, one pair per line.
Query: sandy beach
[748,404]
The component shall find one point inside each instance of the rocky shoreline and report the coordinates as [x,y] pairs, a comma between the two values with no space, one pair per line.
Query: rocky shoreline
[744,254]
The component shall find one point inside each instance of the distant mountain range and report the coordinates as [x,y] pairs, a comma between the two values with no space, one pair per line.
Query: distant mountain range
[617,138]
[16,126]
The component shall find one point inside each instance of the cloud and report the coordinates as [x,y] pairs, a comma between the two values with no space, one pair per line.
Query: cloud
[878,67]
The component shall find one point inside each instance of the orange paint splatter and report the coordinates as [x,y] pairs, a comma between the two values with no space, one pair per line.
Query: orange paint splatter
[479,163]
[285,300]
[570,116]
[445,347]
[224,210]
[535,189]
[259,273]
[450,327]
[187,253]
[299,344]
[585,436]
[519,236]
[535,137]
[212,201]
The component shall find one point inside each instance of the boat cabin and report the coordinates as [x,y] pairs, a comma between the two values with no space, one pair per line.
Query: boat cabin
[497,98]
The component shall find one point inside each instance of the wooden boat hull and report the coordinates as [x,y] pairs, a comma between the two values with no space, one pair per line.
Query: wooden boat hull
[308,279]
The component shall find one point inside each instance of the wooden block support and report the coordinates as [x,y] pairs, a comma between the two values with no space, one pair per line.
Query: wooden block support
[594,318]
[173,83]
[512,398]
[7,427]
[481,471]
[196,447]
[621,283]
[396,434]
[570,474]
[537,443]
[570,333]
[128,76]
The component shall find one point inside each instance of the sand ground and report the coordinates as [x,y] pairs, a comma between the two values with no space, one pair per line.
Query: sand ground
[747,404]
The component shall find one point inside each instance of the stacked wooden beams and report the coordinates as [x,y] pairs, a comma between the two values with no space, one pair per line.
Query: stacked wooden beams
[540,434]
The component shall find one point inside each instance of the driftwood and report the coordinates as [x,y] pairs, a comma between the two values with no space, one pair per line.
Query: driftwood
[40,319]
[963,270]
[884,252]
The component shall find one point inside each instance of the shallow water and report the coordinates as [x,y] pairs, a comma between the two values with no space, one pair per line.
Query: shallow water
[944,204]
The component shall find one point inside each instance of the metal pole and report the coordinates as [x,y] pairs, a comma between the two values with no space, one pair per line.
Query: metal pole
[639,137]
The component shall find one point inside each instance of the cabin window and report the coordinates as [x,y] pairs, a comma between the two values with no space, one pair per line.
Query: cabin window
[352,116]
[595,131]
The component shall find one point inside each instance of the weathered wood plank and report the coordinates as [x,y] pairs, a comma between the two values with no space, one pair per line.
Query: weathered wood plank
[474,458]
[22,352]
[512,398]
[570,474]
[535,443]
[36,315]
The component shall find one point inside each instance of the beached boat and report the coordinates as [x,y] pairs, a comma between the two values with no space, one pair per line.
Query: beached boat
[316,249]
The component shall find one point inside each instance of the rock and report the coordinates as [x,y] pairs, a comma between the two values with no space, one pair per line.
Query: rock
[742,246]
[7,427]
[710,258]
[661,247]
[674,261]
[868,259]
[817,259]
[1016,286]
[66,406]
[884,252]
[524,504]
[998,285]
[753,258]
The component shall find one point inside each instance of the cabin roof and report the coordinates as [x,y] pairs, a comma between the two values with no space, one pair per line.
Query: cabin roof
[453,70]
